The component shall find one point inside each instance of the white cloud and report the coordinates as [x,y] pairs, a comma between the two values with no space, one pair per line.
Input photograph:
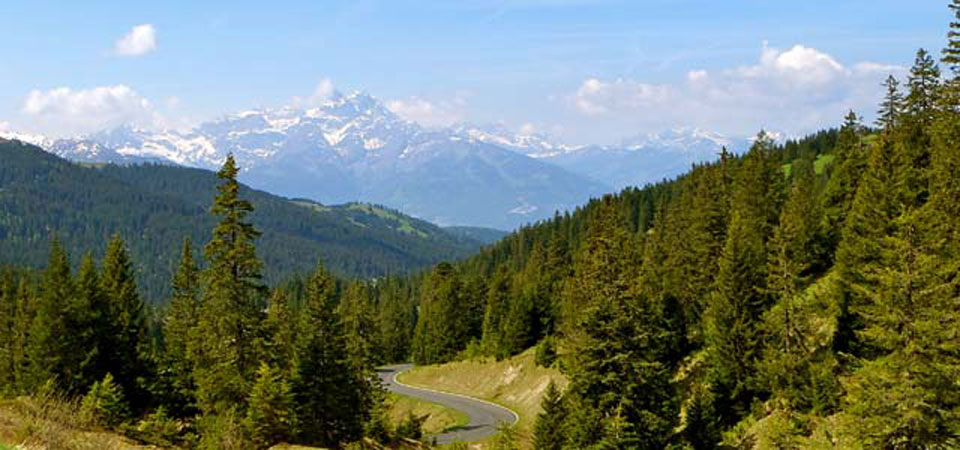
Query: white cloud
[142,39]
[796,90]
[428,113]
[324,91]
[4,126]
[64,111]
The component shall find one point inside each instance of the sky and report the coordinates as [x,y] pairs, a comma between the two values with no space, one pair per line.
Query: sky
[584,71]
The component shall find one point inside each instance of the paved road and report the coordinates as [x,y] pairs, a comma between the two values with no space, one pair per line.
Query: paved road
[484,416]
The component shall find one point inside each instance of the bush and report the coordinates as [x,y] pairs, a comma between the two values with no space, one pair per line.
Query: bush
[546,353]
[221,432]
[159,429]
[104,405]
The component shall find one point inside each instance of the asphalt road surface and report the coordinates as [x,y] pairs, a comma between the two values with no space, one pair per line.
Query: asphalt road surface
[484,416]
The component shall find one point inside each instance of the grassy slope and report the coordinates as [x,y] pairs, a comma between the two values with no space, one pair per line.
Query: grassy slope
[440,417]
[516,383]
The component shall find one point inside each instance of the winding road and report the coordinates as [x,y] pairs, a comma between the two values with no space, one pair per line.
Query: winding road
[484,416]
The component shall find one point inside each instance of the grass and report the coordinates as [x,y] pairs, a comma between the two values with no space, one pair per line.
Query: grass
[439,418]
[49,421]
[516,383]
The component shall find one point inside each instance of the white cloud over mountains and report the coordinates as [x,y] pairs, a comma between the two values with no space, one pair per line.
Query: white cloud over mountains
[431,113]
[64,111]
[142,39]
[799,89]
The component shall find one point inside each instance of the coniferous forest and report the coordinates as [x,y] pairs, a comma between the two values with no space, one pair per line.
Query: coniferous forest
[800,295]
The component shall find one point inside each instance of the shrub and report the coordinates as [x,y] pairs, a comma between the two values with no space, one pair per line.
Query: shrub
[104,405]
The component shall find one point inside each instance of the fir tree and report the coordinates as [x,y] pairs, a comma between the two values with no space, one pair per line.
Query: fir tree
[850,161]
[89,317]
[616,335]
[951,54]
[48,346]
[271,418]
[325,374]
[548,433]
[179,330]
[440,331]
[495,312]
[128,350]
[892,106]
[733,317]
[231,312]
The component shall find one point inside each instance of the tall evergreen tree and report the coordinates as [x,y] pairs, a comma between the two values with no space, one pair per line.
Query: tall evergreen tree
[733,317]
[892,106]
[89,317]
[128,353]
[850,161]
[231,312]
[548,433]
[179,330]
[951,54]
[325,374]
[48,344]
[440,331]
[616,335]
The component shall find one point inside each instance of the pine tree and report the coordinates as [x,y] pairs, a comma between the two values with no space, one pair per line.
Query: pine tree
[179,329]
[325,374]
[548,433]
[271,418]
[128,355]
[231,312]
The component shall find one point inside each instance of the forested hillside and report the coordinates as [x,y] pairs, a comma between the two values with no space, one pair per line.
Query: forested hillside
[798,296]
[153,207]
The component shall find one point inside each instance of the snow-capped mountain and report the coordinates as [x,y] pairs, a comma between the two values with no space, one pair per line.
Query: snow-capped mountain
[353,148]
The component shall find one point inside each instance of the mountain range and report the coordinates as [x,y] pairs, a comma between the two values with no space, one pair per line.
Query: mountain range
[155,206]
[352,147]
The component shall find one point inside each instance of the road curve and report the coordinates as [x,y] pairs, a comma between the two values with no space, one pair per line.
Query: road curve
[484,416]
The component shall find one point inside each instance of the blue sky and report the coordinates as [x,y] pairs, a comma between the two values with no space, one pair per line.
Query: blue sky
[586,71]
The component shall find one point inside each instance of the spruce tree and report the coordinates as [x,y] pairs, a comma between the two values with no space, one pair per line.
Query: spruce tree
[231,312]
[356,312]
[548,433]
[271,418]
[498,294]
[868,223]
[89,317]
[922,85]
[733,316]
[850,161]
[892,106]
[440,331]
[617,336]
[49,338]
[326,375]
[179,329]
[906,396]
[951,54]
[128,352]
[8,309]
